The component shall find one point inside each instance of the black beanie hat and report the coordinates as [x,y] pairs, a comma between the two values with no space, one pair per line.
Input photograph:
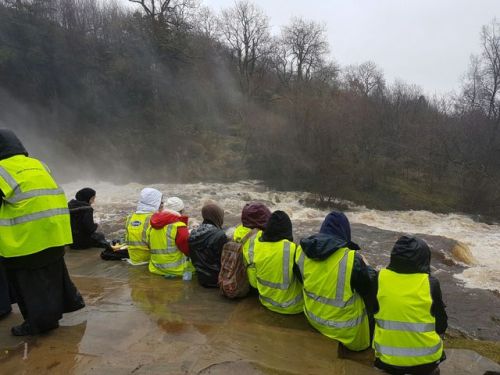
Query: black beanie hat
[85,194]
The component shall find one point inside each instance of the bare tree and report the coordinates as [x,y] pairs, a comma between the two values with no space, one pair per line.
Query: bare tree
[245,29]
[206,23]
[366,78]
[307,46]
[170,12]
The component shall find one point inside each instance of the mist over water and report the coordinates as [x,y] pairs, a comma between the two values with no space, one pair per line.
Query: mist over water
[114,202]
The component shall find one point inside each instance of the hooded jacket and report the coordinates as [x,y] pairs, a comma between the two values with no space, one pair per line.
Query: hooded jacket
[205,246]
[412,255]
[166,217]
[10,145]
[335,233]
[149,201]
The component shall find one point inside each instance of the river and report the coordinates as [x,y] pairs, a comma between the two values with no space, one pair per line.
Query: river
[471,285]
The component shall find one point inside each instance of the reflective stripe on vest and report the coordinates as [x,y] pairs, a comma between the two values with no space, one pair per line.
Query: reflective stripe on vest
[144,239]
[271,267]
[170,265]
[33,217]
[407,352]
[171,248]
[9,179]
[33,193]
[166,258]
[34,214]
[405,328]
[339,290]
[333,324]
[283,305]
[330,304]
[286,268]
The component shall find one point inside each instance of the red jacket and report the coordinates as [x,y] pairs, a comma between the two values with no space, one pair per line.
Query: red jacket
[160,219]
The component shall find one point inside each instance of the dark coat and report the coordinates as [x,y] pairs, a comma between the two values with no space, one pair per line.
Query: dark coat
[82,224]
[412,255]
[205,248]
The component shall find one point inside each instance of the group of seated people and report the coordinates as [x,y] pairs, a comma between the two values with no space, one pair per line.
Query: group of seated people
[398,310]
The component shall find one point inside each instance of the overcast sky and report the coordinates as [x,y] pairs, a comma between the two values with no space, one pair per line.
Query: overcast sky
[426,42]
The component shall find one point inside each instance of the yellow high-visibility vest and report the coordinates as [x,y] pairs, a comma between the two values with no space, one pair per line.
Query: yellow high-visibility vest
[279,289]
[251,272]
[330,305]
[166,258]
[240,232]
[34,214]
[405,332]
[136,237]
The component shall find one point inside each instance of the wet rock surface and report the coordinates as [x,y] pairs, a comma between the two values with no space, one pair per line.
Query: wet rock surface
[139,323]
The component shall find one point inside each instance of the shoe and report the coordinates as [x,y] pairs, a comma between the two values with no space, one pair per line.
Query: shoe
[23,329]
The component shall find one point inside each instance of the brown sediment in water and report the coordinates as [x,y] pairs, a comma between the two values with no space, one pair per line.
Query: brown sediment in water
[462,253]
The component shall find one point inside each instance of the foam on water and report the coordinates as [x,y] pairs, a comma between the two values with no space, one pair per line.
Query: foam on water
[482,239]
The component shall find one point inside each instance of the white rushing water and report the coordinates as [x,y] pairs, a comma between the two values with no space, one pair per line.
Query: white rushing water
[482,239]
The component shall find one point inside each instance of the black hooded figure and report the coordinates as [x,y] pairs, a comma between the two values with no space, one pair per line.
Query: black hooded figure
[83,227]
[39,282]
[412,255]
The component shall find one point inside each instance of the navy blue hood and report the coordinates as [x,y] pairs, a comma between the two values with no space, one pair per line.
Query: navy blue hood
[10,145]
[335,233]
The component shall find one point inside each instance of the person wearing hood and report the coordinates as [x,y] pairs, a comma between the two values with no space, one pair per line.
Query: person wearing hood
[253,216]
[335,280]
[206,243]
[271,255]
[34,228]
[83,227]
[138,224]
[168,240]
[409,312]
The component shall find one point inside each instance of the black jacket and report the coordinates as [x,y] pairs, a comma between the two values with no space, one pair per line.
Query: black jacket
[82,224]
[205,249]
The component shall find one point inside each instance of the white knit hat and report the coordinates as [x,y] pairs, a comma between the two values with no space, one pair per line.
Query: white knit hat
[174,204]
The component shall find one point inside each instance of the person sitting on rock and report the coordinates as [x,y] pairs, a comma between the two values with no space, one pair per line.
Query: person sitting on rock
[83,227]
[138,224]
[335,279]
[206,243]
[253,216]
[409,312]
[271,254]
[168,240]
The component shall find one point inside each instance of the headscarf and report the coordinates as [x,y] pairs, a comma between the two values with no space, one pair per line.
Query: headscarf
[85,194]
[174,204]
[255,215]
[149,200]
[410,255]
[213,213]
[10,145]
[279,227]
[337,224]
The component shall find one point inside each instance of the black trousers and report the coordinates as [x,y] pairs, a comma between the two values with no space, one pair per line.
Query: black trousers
[43,294]
[5,300]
